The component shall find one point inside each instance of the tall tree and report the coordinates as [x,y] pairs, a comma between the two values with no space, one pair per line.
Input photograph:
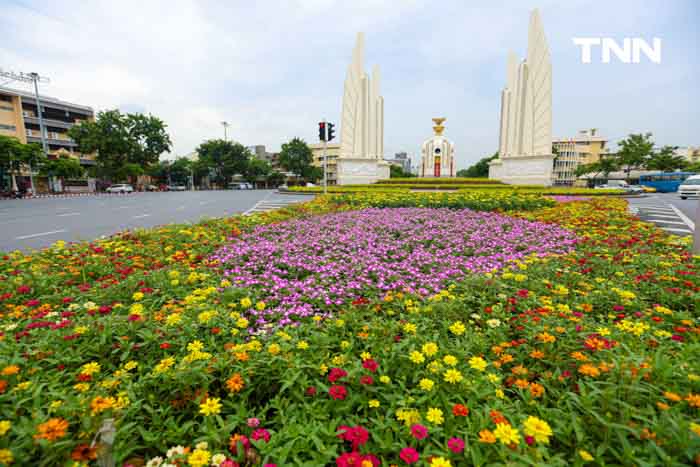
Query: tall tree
[14,155]
[296,157]
[223,159]
[605,165]
[665,160]
[121,139]
[256,169]
[634,152]
[478,170]
[63,167]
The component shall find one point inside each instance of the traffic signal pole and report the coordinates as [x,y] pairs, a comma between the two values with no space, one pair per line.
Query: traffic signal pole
[325,157]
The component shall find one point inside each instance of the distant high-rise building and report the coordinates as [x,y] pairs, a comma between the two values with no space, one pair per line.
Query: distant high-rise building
[402,160]
[584,148]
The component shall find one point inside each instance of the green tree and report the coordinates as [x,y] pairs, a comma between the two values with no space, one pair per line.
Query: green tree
[665,160]
[63,167]
[605,165]
[14,155]
[121,139]
[296,157]
[257,169]
[634,152]
[396,171]
[223,159]
[276,178]
[478,170]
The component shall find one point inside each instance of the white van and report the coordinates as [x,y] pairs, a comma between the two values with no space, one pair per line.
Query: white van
[690,187]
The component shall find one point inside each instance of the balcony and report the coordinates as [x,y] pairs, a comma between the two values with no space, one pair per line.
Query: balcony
[56,142]
[49,122]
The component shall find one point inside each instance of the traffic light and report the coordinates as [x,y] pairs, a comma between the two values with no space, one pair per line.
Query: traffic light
[322,131]
[331,131]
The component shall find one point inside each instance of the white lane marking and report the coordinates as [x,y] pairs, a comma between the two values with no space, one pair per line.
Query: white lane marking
[141,216]
[668,216]
[683,217]
[669,229]
[40,234]
[68,214]
[202,203]
[123,207]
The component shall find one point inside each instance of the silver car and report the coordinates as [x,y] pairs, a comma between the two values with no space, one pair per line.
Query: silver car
[120,188]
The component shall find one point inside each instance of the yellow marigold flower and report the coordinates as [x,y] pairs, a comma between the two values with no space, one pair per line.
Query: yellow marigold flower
[537,354]
[206,316]
[506,434]
[199,458]
[137,296]
[246,302]
[478,363]
[440,462]
[434,366]
[585,455]
[365,356]
[546,338]
[417,357]
[90,368]
[136,309]
[426,384]
[538,429]
[693,400]
[430,349]
[374,403]
[6,457]
[211,406]
[302,345]
[384,379]
[452,376]
[494,378]
[100,404]
[195,346]
[274,349]
[408,416]
[500,394]
[603,331]
[450,360]
[260,306]
[5,426]
[434,416]
[55,405]
[457,328]
[242,323]
[486,436]
[81,387]
[409,328]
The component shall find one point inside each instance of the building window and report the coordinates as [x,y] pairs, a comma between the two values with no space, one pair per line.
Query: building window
[5,98]
[8,127]
[7,107]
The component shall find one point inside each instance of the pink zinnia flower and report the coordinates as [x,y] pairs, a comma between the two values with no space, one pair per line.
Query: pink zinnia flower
[456,445]
[409,455]
[370,365]
[419,431]
[338,392]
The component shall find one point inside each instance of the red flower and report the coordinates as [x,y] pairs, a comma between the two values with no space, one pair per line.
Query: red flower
[311,391]
[356,435]
[260,433]
[370,365]
[523,293]
[338,392]
[409,455]
[459,410]
[366,379]
[23,289]
[164,345]
[419,431]
[335,374]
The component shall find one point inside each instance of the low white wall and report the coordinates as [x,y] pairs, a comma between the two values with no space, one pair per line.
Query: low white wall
[524,170]
[361,171]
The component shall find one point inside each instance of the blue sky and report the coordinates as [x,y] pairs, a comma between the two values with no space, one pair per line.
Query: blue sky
[274,69]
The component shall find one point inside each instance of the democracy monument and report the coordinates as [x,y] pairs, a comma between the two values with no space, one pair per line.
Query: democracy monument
[437,154]
[525,143]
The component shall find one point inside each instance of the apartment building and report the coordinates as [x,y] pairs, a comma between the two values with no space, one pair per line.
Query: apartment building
[584,148]
[333,153]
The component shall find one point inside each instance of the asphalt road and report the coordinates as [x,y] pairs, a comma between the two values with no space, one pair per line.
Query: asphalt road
[668,211]
[37,223]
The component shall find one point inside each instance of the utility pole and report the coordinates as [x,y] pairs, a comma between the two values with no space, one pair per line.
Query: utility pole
[33,78]
[226,125]
[325,159]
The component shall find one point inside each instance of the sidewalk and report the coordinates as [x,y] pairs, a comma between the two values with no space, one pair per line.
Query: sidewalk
[68,195]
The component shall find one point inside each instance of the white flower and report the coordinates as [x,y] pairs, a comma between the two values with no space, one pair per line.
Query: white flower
[217,460]
[155,462]
[51,314]
[494,323]
[175,451]
[10,327]
[202,446]
[89,305]
[475,316]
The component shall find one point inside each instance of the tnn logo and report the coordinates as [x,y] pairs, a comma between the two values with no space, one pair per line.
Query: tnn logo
[630,52]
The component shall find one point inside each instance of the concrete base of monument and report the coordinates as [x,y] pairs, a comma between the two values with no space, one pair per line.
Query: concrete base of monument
[361,171]
[523,170]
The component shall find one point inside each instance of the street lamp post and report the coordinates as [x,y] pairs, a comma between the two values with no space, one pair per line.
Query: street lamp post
[226,125]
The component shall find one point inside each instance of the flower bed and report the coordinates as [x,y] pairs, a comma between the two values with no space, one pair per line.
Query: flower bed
[312,266]
[585,357]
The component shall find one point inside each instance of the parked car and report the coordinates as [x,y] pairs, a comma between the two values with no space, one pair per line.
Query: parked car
[120,188]
[150,188]
[690,187]
[635,189]
[240,186]
[177,188]
[620,185]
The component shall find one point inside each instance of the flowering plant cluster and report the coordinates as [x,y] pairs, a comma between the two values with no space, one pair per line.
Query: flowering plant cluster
[140,346]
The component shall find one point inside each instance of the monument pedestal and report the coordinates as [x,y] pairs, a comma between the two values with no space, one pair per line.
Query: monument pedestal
[523,170]
[361,171]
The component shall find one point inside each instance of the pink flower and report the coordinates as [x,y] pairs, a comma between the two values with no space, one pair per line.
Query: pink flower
[419,431]
[356,435]
[253,422]
[409,455]
[338,392]
[366,380]
[529,440]
[260,433]
[370,365]
[456,445]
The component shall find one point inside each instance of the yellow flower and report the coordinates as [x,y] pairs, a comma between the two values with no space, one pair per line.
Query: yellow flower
[452,376]
[199,458]
[6,457]
[136,309]
[274,349]
[450,360]
[384,379]
[164,365]
[538,429]
[506,434]
[457,328]
[694,427]
[585,455]
[81,387]
[426,384]
[206,316]
[195,346]
[55,405]
[137,296]
[211,406]
[440,462]
[173,319]
[302,345]
[374,403]
[365,356]
[417,357]
[242,323]
[408,416]
[130,365]
[409,328]
[434,416]
[260,306]
[430,349]
[246,302]
[4,427]
[500,394]
[478,363]
[90,368]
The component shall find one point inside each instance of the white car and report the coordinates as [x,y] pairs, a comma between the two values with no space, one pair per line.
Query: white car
[177,188]
[121,188]
[690,187]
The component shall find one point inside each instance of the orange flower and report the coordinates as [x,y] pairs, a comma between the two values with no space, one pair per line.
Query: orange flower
[546,338]
[693,399]
[459,410]
[241,356]
[581,357]
[235,383]
[536,390]
[522,383]
[10,370]
[589,370]
[497,417]
[486,436]
[662,406]
[52,430]
[100,403]
[519,370]
[83,452]
[672,396]
[3,385]
[537,354]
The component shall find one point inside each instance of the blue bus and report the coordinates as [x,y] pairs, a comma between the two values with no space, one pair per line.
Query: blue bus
[664,182]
